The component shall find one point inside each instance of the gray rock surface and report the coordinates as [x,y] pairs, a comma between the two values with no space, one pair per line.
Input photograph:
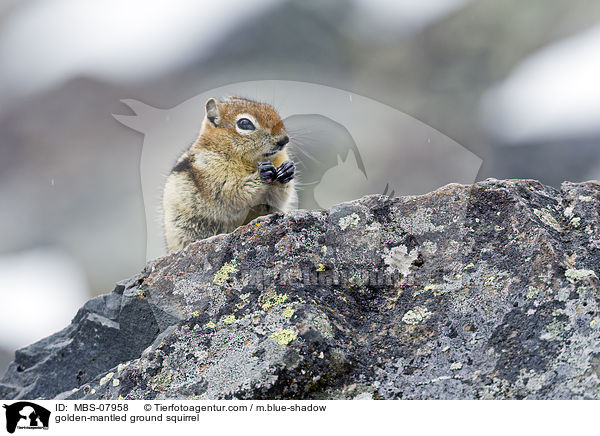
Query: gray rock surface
[482,291]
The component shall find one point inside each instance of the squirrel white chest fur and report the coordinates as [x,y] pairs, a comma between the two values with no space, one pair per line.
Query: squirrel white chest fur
[236,170]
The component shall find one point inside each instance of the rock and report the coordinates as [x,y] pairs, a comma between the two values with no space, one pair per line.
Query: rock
[482,291]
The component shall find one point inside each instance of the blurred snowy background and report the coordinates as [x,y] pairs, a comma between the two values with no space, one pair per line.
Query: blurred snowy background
[515,83]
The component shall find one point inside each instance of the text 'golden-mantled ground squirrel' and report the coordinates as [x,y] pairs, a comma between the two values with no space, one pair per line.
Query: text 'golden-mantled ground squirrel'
[237,169]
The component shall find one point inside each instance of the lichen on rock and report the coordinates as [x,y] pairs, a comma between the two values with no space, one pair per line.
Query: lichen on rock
[482,291]
[222,276]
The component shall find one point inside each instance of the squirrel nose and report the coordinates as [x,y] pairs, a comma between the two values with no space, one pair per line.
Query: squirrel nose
[283,141]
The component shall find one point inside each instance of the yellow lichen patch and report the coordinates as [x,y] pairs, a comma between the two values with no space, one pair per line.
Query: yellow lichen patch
[244,300]
[433,287]
[417,315]
[349,221]
[106,378]
[576,275]
[288,312]
[229,319]
[455,366]
[274,300]
[222,276]
[546,217]
[195,314]
[320,267]
[210,325]
[120,397]
[533,291]
[284,337]
[575,221]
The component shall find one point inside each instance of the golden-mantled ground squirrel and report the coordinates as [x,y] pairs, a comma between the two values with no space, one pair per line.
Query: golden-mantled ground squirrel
[237,169]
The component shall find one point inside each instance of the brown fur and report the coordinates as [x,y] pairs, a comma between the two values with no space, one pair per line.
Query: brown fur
[215,185]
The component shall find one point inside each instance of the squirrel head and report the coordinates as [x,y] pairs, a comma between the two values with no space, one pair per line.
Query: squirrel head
[243,127]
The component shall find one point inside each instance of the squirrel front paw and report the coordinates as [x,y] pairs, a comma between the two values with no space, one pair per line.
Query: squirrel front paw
[267,171]
[286,171]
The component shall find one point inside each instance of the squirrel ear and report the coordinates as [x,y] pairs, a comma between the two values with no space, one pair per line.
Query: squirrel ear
[212,112]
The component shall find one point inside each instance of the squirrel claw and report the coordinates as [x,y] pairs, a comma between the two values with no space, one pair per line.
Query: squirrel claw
[286,171]
[267,171]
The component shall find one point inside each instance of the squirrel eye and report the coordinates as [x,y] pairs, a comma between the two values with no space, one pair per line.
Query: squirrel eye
[245,124]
